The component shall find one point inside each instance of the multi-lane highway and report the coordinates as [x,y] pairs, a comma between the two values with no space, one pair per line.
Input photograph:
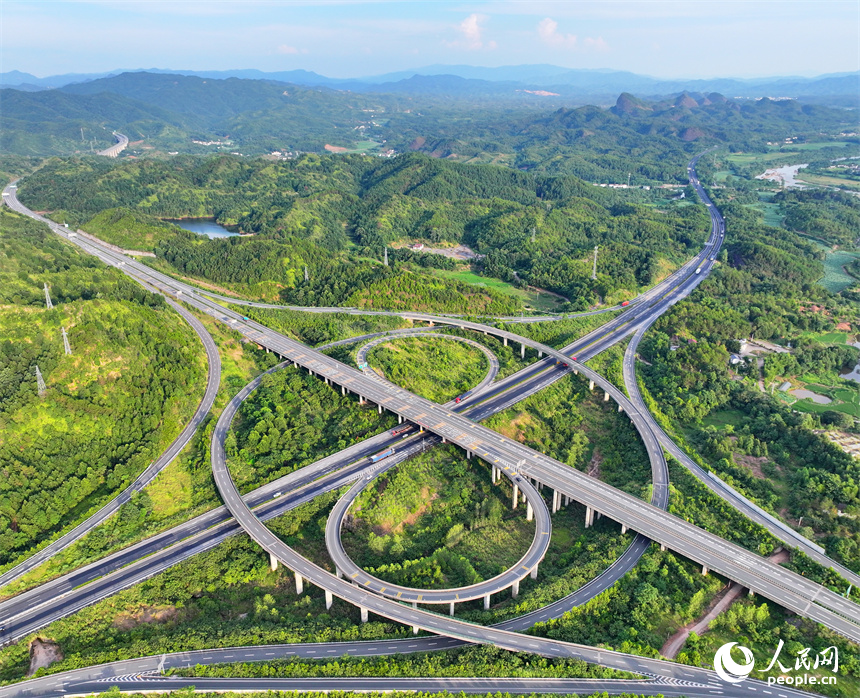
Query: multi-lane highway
[529,463]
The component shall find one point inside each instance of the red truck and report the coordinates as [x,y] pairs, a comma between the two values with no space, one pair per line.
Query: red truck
[625,304]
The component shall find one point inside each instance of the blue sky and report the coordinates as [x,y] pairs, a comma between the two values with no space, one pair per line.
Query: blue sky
[694,38]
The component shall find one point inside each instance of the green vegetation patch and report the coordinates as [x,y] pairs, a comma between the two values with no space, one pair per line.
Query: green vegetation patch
[434,367]
[134,377]
[291,420]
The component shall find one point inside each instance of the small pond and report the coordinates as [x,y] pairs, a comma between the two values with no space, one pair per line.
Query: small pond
[204,226]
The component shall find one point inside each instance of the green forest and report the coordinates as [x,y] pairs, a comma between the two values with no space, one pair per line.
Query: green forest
[135,376]
[332,216]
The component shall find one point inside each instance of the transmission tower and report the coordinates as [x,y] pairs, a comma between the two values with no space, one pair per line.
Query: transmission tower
[40,382]
[306,273]
[628,179]
[66,343]
[594,266]
[533,233]
[386,256]
[48,298]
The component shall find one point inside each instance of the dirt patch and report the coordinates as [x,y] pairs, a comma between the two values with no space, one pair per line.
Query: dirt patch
[389,528]
[145,614]
[594,464]
[43,653]
[754,463]
[335,148]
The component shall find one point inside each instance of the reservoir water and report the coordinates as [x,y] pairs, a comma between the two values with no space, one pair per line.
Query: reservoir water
[204,226]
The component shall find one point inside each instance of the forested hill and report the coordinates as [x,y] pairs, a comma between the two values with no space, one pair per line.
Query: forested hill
[167,113]
[319,211]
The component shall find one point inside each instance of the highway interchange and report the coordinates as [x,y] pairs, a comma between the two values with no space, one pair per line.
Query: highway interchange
[516,460]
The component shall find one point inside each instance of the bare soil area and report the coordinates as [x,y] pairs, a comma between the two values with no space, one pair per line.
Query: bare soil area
[43,653]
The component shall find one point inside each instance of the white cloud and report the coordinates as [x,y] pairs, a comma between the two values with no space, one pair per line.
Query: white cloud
[472,34]
[597,44]
[287,50]
[548,32]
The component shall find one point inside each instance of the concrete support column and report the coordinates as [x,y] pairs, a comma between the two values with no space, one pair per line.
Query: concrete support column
[400,419]
[363,615]
[506,340]
[468,455]
[623,529]
[337,572]
[444,440]
[534,572]
[300,586]
[343,390]
[431,324]
[589,517]
[486,602]
[522,351]
[530,514]
[380,408]
[451,610]
[591,385]
[414,629]
[704,570]
[273,561]
[360,400]
[515,589]
[575,372]
[620,408]
[516,497]
[267,350]
[420,429]
[540,354]
[329,599]
[662,547]
[750,592]
[605,397]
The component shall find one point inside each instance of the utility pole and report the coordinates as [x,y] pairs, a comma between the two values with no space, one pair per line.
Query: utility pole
[306,273]
[40,383]
[66,343]
[594,266]
[48,298]
[386,256]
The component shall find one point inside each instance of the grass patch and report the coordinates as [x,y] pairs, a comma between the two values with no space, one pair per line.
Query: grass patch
[437,369]
[540,301]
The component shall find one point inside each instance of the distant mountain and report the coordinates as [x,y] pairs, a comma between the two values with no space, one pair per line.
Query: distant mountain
[583,86]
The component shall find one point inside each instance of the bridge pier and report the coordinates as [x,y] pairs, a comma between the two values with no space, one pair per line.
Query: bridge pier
[662,547]
[555,501]
[534,572]
[704,570]
[337,572]
[328,599]
[540,354]
[591,385]
[380,408]
[623,529]
[400,419]
[300,586]
[486,602]
[750,592]
[451,610]
[530,514]
[589,517]
[363,615]
[515,589]
[415,629]
[516,496]
[468,455]
[343,390]
[273,561]
[522,351]
[620,408]
[505,340]
[605,397]
[360,400]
